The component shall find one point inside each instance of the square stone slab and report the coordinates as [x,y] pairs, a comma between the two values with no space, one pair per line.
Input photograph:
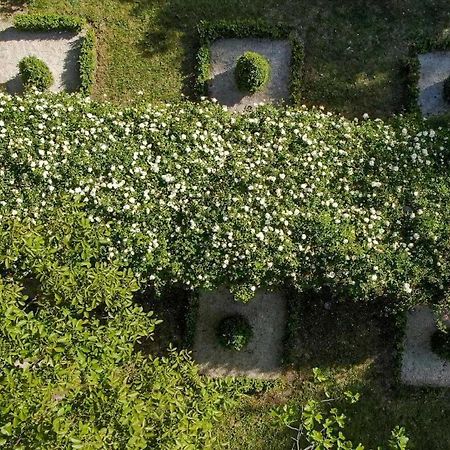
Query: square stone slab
[225,53]
[58,49]
[434,69]
[261,358]
[420,365]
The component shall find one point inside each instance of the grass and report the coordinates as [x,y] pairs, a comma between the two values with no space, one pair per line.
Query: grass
[353,47]
[356,346]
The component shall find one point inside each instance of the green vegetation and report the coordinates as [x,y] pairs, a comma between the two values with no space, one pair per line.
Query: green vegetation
[252,72]
[47,22]
[73,374]
[353,48]
[447,89]
[35,73]
[440,343]
[88,62]
[234,332]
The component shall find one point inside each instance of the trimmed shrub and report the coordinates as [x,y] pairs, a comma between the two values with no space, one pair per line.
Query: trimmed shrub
[48,22]
[440,344]
[87,60]
[447,89]
[35,73]
[252,72]
[234,332]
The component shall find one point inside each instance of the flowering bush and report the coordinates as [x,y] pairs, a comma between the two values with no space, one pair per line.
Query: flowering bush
[35,73]
[252,72]
[192,194]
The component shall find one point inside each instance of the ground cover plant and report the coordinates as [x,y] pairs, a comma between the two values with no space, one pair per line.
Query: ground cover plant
[351,65]
[234,332]
[35,73]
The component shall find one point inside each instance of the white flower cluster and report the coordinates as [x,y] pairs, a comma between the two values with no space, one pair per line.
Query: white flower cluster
[194,194]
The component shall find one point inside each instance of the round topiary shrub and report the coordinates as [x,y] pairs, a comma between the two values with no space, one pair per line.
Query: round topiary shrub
[252,72]
[234,332]
[440,344]
[35,73]
[447,89]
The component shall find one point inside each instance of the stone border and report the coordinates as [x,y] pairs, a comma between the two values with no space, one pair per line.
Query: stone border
[209,32]
[222,86]
[420,366]
[262,358]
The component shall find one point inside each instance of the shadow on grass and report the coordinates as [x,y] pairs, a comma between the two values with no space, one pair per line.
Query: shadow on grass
[11,6]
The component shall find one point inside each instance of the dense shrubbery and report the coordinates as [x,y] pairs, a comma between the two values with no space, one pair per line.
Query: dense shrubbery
[234,332]
[70,370]
[88,62]
[195,195]
[447,89]
[48,22]
[440,343]
[252,72]
[35,73]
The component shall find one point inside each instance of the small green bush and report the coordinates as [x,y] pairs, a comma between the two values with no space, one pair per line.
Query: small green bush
[35,73]
[447,89]
[48,22]
[252,72]
[234,332]
[87,61]
[440,344]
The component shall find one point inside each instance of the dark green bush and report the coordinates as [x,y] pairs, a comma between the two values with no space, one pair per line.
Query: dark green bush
[252,72]
[440,344]
[87,62]
[234,332]
[47,22]
[35,73]
[447,89]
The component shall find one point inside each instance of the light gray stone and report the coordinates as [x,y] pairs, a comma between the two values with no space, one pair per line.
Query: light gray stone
[58,49]
[434,69]
[261,358]
[420,365]
[224,54]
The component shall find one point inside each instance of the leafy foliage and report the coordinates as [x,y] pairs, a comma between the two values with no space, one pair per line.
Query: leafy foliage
[252,72]
[87,62]
[234,332]
[447,89]
[322,426]
[35,73]
[71,373]
[440,343]
[47,22]
[194,195]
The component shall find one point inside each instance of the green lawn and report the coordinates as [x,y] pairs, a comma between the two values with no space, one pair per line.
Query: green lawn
[353,47]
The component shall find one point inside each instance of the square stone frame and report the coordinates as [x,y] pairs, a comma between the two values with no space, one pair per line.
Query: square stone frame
[87,60]
[411,70]
[208,32]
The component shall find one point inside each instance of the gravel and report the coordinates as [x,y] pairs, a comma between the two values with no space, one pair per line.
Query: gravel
[59,50]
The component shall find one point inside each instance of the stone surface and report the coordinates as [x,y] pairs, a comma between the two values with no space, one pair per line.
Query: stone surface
[261,358]
[59,50]
[224,54]
[434,69]
[420,365]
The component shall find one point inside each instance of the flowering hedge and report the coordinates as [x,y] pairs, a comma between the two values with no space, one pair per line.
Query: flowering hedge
[195,195]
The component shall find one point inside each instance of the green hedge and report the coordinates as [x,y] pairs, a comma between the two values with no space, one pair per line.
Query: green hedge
[87,62]
[47,22]
[204,198]
[410,68]
[208,32]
